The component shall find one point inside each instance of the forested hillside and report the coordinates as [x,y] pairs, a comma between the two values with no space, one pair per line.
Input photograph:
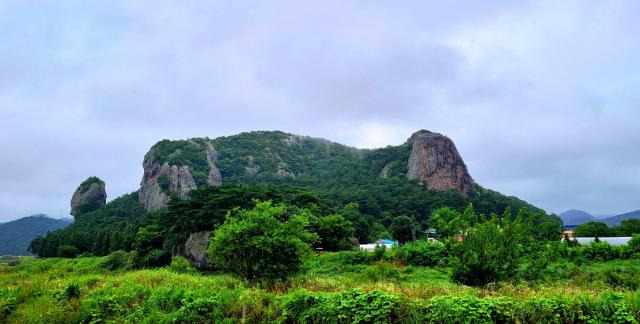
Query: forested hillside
[368,189]
[16,235]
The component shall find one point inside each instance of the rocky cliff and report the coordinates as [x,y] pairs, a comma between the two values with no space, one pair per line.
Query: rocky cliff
[176,167]
[90,193]
[435,162]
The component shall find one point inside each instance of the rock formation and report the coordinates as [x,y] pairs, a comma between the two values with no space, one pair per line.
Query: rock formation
[215,177]
[195,249]
[160,180]
[90,193]
[177,167]
[436,163]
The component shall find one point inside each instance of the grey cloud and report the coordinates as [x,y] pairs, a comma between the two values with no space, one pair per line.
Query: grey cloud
[538,108]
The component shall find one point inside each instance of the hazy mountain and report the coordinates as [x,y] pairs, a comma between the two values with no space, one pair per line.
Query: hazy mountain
[576,217]
[16,235]
[616,220]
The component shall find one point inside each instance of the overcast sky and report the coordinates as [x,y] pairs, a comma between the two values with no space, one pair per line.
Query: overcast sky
[541,98]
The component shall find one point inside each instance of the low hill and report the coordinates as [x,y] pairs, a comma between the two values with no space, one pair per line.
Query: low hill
[616,220]
[16,235]
[576,217]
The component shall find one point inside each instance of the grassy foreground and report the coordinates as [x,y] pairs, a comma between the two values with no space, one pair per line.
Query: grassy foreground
[332,290]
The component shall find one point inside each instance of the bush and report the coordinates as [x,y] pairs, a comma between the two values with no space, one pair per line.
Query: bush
[381,271]
[600,251]
[352,306]
[118,260]
[422,253]
[263,243]
[156,258]
[68,251]
[181,265]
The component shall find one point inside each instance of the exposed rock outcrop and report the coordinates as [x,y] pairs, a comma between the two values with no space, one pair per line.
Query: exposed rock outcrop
[215,177]
[436,163]
[385,171]
[90,193]
[195,249]
[252,167]
[160,180]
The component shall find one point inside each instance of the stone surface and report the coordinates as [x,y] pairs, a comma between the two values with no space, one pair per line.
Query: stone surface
[179,181]
[252,167]
[215,177]
[195,249]
[385,171]
[436,163]
[90,192]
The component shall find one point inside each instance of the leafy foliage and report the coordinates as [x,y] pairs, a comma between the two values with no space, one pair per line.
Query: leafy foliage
[264,243]
[100,232]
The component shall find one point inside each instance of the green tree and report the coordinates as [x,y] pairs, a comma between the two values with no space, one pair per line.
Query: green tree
[404,229]
[629,227]
[446,221]
[494,250]
[592,229]
[263,243]
[336,233]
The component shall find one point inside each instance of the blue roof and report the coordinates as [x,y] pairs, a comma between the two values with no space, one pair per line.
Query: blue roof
[387,241]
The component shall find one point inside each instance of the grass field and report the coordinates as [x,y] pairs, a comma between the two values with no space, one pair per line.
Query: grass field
[332,289]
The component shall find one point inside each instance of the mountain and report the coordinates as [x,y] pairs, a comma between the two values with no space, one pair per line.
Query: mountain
[177,167]
[616,220]
[16,235]
[576,217]
[188,186]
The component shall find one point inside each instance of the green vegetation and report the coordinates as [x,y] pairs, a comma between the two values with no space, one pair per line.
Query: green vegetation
[16,235]
[267,242]
[599,229]
[107,229]
[119,263]
[343,287]
[85,185]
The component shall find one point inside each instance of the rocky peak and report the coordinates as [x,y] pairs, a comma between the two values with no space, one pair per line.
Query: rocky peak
[435,162]
[175,168]
[159,181]
[90,193]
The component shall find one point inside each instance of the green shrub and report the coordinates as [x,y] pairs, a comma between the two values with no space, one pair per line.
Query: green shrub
[156,258]
[118,260]
[8,301]
[68,251]
[71,291]
[263,243]
[600,251]
[422,253]
[381,271]
[181,265]
[346,307]
[468,309]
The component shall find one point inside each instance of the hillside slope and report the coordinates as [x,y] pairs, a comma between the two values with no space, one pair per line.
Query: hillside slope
[16,235]
[576,217]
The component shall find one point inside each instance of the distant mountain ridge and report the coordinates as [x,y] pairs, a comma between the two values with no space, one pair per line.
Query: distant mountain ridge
[579,217]
[16,235]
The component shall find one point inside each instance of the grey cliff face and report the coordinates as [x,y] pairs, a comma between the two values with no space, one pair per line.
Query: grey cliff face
[161,180]
[91,192]
[195,249]
[436,163]
[158,181]
[215,177]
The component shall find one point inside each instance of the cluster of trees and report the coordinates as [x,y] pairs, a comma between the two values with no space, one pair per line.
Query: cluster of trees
[599,229]
[99,231]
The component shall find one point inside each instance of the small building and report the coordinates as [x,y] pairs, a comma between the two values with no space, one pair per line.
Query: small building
[568,231]
[372,246]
